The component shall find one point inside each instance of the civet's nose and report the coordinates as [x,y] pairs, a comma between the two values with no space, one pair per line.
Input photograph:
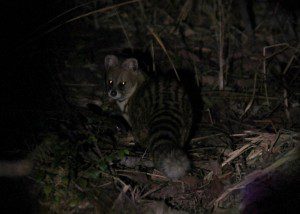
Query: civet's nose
[113,93]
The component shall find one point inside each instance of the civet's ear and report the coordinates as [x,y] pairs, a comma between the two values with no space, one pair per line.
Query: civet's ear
[131,64]
[111,61]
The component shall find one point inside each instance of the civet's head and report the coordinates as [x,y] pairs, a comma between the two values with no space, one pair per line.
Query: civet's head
[122,79]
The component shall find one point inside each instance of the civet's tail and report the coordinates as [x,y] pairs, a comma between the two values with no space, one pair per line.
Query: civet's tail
[170,159]
[15,168]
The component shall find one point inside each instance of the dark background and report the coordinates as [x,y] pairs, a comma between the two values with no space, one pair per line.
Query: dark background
[26,84]
[26,80]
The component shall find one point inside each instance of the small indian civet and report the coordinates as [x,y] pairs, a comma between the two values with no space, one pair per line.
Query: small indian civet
[158,110]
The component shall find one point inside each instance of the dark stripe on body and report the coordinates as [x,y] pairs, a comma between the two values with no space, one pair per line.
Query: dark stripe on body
[161,139]
[166,122]
[172,114]
[164,127]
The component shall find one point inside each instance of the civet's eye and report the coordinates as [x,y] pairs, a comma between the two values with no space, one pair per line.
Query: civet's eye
[121,85]
[110,82]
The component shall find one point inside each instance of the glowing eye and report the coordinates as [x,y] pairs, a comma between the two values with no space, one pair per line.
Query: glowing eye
[110,82]
[121,85]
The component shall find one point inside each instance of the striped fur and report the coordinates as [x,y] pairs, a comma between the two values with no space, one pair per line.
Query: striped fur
[161,118]
[160,114]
